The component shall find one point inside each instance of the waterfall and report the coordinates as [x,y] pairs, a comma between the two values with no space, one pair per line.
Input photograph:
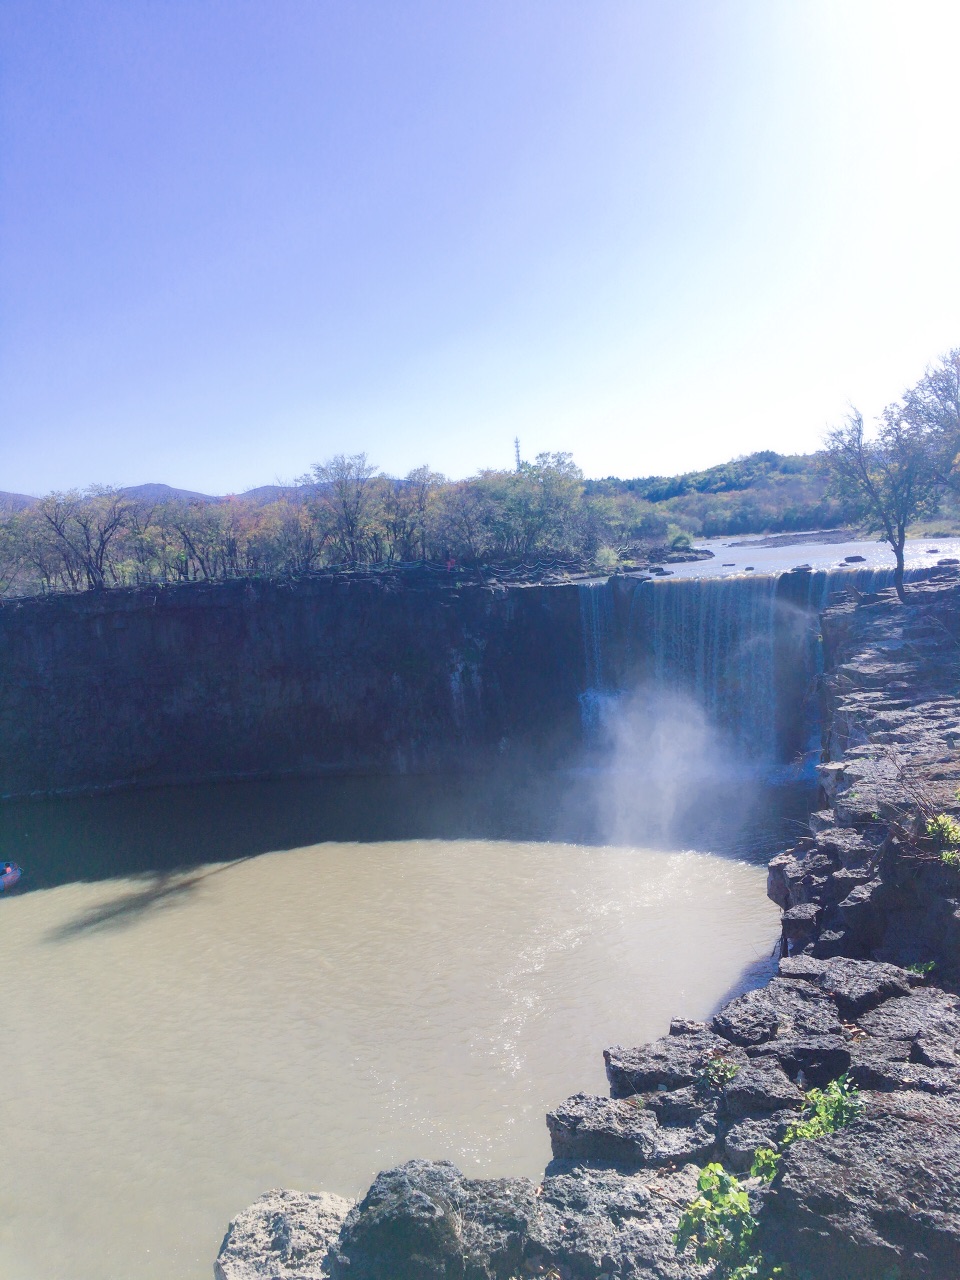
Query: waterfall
[596,630]
[712,638]
[746,649]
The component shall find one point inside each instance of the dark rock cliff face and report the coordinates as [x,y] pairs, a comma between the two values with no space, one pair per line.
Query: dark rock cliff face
[878,1199]
[252,678]
[861,885]
[391,675]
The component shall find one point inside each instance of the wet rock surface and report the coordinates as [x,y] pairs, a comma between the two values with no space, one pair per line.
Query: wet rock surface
[878,1199]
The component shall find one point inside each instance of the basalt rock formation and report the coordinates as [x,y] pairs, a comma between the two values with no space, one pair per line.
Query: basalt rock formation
[243,679]
[285,1235]
[866,884]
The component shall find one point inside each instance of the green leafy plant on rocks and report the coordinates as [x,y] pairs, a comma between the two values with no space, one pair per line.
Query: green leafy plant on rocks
[826,1110]
[766,1162]
[945,832]
[923,968]
[722,1229]
[719,1223]
[716,1073]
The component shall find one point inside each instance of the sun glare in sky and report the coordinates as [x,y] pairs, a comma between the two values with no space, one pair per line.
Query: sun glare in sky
[237,237]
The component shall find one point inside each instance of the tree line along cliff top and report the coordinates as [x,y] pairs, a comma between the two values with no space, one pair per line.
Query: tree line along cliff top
[541,515]
[344,513]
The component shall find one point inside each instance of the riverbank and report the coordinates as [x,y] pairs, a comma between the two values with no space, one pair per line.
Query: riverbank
[877,1197]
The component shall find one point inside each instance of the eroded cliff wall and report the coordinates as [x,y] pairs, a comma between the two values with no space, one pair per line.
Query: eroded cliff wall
[250,678]
[385,675]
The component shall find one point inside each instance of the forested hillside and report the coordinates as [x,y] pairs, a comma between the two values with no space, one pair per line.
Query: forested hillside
[762,493]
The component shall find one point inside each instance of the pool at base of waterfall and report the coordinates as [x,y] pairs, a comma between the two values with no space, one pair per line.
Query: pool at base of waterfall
[222,992]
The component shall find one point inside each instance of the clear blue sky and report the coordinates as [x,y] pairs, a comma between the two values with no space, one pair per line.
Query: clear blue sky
[239,236]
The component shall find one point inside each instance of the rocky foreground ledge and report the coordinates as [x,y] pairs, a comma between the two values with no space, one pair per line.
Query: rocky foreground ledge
[878,1199]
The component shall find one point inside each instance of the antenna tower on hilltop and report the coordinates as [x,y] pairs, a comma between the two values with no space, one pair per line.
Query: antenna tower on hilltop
[516,450]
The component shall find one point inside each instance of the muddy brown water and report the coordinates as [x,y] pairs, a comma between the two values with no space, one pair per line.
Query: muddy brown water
[179,1041]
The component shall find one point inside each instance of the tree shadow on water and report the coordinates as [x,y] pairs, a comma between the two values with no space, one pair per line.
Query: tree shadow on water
[161,890]
[158,831]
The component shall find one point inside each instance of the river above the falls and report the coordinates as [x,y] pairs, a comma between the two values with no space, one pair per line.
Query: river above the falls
[736,555]
[203,1002]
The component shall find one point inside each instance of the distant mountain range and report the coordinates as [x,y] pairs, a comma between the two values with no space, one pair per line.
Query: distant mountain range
[10,502]
[14,502]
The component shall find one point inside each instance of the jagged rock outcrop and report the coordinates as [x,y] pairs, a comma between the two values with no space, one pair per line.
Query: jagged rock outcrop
[878,1198]
[671,1062]
[425,1221]
[634,1133]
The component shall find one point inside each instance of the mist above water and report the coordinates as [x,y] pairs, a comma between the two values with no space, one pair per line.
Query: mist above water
[658,759]
[709,675]
[684,701]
